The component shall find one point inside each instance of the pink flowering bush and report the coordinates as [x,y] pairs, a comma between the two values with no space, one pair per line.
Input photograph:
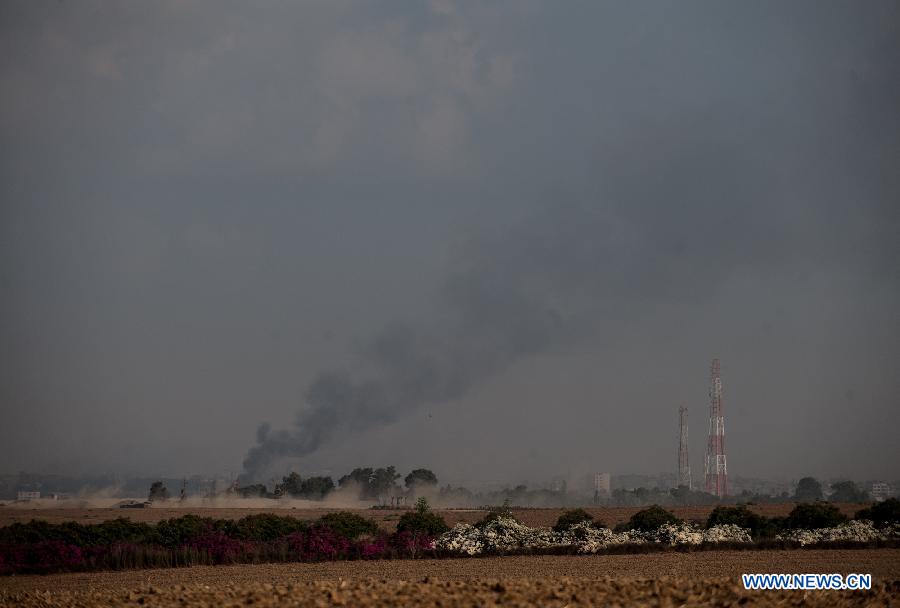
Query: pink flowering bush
[217,546]
[375,548]
[410,544]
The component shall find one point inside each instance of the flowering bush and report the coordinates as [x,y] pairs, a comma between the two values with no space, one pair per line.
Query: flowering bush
[855,531]
[221,548]
[727,533]
[372,548]
[503,535]
[317,544]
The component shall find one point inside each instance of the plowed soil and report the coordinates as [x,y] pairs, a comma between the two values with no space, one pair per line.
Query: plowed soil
[709,578]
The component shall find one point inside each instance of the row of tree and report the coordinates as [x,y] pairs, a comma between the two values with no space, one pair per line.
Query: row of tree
[381,485]
[370,484]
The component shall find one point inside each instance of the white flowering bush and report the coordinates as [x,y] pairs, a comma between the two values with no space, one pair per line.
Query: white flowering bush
[505,535]
[727,533]
[678,534]
[462,538]
[856,531]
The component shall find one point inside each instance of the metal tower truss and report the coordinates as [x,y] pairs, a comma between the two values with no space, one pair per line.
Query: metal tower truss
[716,468]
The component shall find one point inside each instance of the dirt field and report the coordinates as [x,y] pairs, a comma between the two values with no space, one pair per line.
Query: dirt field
[670,579]
[387,519]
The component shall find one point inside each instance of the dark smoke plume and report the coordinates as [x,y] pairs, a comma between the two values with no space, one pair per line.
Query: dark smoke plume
[661,235]
[504,302]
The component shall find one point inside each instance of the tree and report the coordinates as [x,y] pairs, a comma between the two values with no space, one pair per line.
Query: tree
[650,519]
[422,521]
[815,515]
[158,491]
[316,488]
[882,513]
[420,477]
[292,485]
[383,482]
[373,483]
[573,517]
[743,517]
[360,477]
[808,490]
[847,491]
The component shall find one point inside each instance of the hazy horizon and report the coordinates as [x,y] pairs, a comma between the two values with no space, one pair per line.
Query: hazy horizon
[497,241]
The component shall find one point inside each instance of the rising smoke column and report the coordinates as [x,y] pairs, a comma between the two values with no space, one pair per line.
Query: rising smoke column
[657,237]
[505,301]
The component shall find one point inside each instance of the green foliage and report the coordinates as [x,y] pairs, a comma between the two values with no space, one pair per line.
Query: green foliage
[422,521]
[651,518]
[316,488]
[158,491]
[420,477]
[291,485]
[814,515]
[574,516]
[177,531]
[808,490]
[759,526]
[882,513]
[383,481]
[349,525]
[372,483]
[358,476]
[497,512]
[265,526]
[847,491]
[74,533]
[312,488]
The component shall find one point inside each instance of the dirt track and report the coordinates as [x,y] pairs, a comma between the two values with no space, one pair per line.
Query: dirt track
[709,578]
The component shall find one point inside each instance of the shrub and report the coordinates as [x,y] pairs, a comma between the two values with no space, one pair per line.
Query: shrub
[810,516]
[217,546]
[574,516]
[319,543]
[496,513]
[180,531]
[349,525]
[412,545]
[651,518]
[741,516]
[881,513]
[422,523]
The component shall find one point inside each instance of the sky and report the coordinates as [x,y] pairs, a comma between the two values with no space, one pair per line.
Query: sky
[503,240]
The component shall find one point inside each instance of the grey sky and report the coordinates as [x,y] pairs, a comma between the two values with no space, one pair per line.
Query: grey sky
[531,225]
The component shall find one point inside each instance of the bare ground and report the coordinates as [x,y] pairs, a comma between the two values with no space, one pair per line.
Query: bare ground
[667,579]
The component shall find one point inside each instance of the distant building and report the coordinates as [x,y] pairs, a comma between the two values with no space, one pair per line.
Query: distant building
[880,491]
[601,484]
[558,484]
[27,495]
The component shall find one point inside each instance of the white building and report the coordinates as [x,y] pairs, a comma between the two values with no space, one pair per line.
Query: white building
[880,491]
[601,484]
[27,495]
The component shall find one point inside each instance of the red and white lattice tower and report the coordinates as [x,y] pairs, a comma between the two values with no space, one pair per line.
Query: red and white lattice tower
[716,470]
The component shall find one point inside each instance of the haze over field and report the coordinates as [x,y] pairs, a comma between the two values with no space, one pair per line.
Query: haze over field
[503,242]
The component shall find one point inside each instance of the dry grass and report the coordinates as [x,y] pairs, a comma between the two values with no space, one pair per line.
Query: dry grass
[708,578]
